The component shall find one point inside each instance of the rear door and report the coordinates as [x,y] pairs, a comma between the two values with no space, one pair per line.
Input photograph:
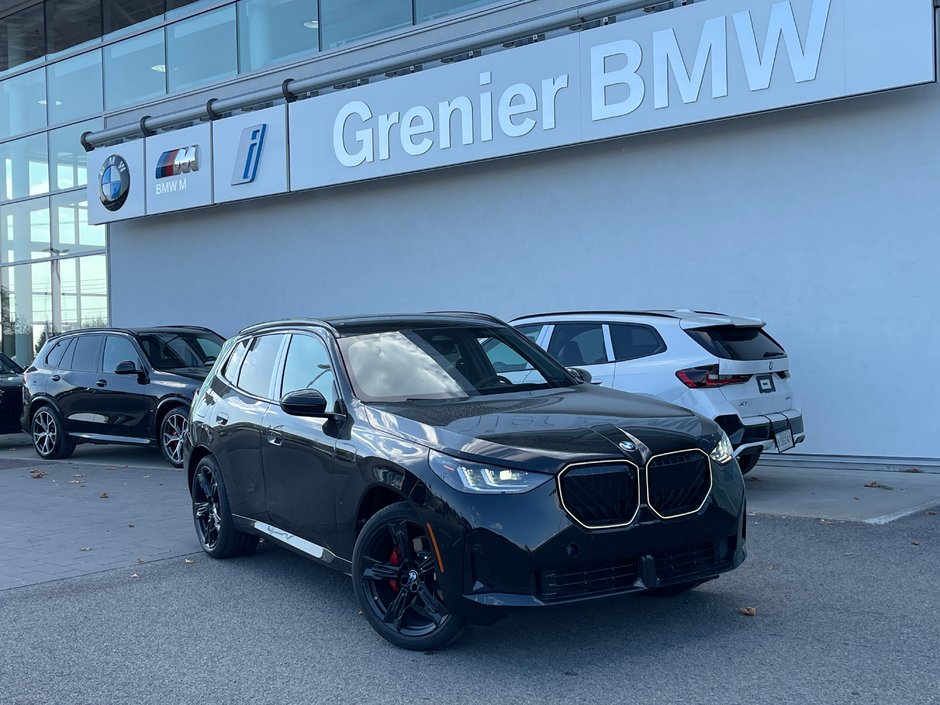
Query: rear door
[639,352]
[584,345]
[749,352]
[75,390]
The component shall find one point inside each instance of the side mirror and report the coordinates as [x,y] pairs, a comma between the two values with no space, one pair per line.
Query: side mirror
[304,402]
[127,367]
[581,373]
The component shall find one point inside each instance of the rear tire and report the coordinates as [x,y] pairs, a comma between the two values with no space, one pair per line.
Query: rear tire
[50,441]
[212,515]
[747,461]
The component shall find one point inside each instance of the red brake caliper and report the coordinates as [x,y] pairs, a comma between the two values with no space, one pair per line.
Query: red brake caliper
[394,559]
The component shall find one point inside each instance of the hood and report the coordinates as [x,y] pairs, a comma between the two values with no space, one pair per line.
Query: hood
[544,430]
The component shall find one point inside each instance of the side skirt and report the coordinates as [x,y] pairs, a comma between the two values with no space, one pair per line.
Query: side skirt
[296,544]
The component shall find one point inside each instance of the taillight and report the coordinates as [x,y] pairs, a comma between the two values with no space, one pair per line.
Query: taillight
[708,377]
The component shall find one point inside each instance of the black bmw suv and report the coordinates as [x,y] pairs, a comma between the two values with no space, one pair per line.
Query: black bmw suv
[410,452]
[116,385]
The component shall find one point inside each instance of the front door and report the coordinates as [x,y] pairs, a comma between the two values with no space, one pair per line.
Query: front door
[297,451]
[123,400]
[583,345]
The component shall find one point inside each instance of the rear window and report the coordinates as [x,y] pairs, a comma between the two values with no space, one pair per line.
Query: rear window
[85,358]
[632,342]
[58,350]
[733,343]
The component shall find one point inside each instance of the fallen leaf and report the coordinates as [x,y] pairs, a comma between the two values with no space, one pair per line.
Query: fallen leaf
[103,495]
[856,497]
[130,526]
[748,611]
[187,561]
[773,566]
[134,575]
[915,470]
[36,474]
[915,542]
[931,514]
[85,548]
[140,560]
[878,485]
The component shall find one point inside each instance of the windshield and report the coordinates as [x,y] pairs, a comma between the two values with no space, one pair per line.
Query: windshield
[446,362]
[171,351]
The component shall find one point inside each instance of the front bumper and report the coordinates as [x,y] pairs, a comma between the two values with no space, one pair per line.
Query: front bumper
[508,551]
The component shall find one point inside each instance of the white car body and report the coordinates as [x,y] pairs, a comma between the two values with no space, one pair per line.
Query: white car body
[642,352]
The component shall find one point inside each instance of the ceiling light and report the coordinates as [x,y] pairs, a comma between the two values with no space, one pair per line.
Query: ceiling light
[312,24]
[159,68]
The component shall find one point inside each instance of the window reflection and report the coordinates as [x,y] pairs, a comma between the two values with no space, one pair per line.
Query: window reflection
[119,14]
[23,103]
[82,301]
[74,87]
[22,38]
[432,9]
[346,21]
[67,158]
[135,70]
[25,309]
[71,22]
[71,232]
[24,167]
[271,31]
[24,231]
[188,63]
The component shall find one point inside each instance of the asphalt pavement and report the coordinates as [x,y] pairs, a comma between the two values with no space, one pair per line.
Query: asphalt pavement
[846,609]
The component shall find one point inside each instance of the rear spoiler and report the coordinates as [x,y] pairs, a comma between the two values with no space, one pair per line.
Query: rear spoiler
[710,320]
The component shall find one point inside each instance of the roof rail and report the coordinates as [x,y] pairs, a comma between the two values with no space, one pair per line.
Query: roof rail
[288,322]
[476,314]
[661,314]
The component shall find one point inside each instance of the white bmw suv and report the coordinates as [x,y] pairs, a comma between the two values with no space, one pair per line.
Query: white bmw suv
[724,367]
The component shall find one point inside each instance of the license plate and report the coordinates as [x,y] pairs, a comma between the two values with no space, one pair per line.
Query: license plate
[765,383]
[784,440]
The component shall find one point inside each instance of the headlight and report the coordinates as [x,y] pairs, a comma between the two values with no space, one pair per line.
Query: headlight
[474,477]
[723,452]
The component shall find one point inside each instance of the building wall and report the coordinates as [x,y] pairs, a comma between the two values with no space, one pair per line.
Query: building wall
[821,219]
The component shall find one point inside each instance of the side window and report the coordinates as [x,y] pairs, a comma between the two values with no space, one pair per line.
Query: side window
[308,366]
[258,367]
[531,331]
[54,358]
[575,344]
[502,357]
[635,341]
[85,357]
[118,348]
[234,362]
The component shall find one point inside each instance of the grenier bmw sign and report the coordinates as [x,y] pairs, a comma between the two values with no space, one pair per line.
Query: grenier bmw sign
[702,62]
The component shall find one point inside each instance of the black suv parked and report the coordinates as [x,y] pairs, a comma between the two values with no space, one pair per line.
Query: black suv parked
[115,385]
[11,395]
[391,448]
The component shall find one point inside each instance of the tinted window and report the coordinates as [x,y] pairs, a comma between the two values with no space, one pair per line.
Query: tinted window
[343,21]
[576,344]
[117,349]
[634,341]
[175,350]
[234,362]
[258,367]
[309,366]
[85,357]
[71,22]
[58,350]
[733,343]
[8,366]
[22,37]
[531,331]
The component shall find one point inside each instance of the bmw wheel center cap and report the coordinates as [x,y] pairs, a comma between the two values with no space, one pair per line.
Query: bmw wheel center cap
[114,181]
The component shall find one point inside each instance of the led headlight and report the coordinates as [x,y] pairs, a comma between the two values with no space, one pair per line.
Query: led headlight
[475,477]
[722,452]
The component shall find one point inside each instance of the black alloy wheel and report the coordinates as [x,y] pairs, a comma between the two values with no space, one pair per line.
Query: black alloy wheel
[172,434]
[213,518]
[49,437]
[395,578]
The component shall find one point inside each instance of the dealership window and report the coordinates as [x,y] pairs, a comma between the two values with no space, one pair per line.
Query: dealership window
[74,87]
[70,23]
[135,70]
[23,103]
[71,232]
[578,344]
[272,31]
[120,14]
[82,296]
[24,167]
[432,9]
[24,231]
[344,21]
[22,37]
[188,64]
[25,309]
[67,157]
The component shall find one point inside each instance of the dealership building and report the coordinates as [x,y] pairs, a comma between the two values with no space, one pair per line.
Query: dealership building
[220,163]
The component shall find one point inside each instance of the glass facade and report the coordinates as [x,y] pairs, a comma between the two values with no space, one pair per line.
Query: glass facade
[65,64]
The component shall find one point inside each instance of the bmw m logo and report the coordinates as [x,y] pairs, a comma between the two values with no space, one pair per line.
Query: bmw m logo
[174,162]
[114,181]
[627,446]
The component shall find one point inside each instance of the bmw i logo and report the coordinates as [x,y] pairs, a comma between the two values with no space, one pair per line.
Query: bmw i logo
[114,181]
[627,446]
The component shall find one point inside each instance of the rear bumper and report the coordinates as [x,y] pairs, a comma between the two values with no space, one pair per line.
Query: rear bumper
[758,433]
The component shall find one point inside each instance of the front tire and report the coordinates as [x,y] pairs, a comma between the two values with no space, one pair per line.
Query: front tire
[395,578]
[50,441]
[212,515]
[173,430]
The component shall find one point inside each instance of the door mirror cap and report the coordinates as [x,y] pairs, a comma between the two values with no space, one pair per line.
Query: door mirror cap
[304,402]
[581,373]
[127,367]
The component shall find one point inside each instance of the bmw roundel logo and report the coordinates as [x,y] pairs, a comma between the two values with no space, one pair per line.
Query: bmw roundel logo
[114,181]
[627,446]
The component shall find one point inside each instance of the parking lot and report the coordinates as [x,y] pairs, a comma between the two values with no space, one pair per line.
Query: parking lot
[107,598]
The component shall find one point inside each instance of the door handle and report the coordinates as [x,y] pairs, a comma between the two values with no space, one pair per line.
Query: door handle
[221,419]
[55,378]
[102,383]
[274,437]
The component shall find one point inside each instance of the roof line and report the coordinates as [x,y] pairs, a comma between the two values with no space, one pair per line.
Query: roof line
[660,314]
